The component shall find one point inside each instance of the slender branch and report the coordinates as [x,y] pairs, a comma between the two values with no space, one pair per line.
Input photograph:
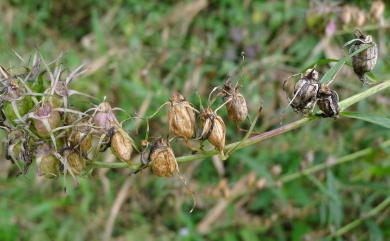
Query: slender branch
[373,212]
[257,138]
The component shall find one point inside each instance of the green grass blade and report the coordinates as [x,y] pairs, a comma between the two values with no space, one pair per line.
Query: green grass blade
[377,120]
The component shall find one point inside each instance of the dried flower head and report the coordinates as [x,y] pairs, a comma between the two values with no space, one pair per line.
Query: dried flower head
[364,61]
[122,145]
[76,163]
[236,105]
[328,102]
[214,129]
[162,159]
[104,117]
[181,117]
[45,119]
[48,164]
[305,92]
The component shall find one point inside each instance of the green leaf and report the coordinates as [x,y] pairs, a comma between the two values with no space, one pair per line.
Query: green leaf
[331,73]
[377,120]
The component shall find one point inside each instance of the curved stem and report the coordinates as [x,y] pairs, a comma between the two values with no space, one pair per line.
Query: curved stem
[260,137]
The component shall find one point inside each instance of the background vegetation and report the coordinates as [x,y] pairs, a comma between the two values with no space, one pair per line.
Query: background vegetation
[137,53]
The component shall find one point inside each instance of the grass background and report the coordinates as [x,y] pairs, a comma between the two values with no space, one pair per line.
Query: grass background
[137,53]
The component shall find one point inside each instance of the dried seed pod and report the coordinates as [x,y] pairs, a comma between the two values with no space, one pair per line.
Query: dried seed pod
[48,164]
[328,102]
[162,159]
[214,129]
[364,61]
[81,137]
[45,119]
[181,117]
[236,107]
[105,117]
[122,145]
[305,92]
[76,163]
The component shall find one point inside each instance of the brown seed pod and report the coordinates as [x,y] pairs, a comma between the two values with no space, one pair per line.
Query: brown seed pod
[81,137]
[181,117]
[328,102]
[76,162]
[162,159]
[305,92]
[122,145]
[214,129]
[236,107]
[105,117]
[48,164]
[45,119]
[364,61]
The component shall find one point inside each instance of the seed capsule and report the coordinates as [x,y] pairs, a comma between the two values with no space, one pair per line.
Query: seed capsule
[48,164]
[45,119]
[181,117]
[305,92]
[328,102]
[105,117]
[76,163]
[214,129]
[81,137]
[122,145]
[236,107]
[162,159]
[364,61]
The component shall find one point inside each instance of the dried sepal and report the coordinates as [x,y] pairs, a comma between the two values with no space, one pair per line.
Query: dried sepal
[162,159]
[75,162]
[81,137]
[235,103]
[104,117]
[48,164]
[328,102]
[122,145]
[366,60]
[181,117]
[214,129]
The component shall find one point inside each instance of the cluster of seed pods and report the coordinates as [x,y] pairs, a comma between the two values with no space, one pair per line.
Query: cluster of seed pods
[40,124]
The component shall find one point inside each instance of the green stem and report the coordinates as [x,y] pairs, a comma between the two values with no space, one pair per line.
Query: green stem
[373,212]
[257,138]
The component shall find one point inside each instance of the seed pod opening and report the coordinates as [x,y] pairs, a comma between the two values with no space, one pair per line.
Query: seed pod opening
[48,164]
[328,102]
[162,159]
[236,107]
[122,145]
[366,60]
[181,117]
[105,117]
[45,119]
[305,92]
[76,163]
[214,129]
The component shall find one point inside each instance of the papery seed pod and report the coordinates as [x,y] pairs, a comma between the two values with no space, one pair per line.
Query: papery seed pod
[48,164]
[46,119]
[76,163]
[105,117]
[214,129]
[81,137]
[364,61]
[162,159]
[236,107]
[305,92]
[377,10]
[328,102]
[122,145]
[181,117]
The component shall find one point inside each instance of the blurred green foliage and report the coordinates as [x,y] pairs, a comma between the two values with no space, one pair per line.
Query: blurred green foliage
[138,52]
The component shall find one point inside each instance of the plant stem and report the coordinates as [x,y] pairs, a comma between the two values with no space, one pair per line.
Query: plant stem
[257,138]
[373,212]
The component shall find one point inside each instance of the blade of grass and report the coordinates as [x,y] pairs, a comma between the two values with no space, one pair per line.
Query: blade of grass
[377,120]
